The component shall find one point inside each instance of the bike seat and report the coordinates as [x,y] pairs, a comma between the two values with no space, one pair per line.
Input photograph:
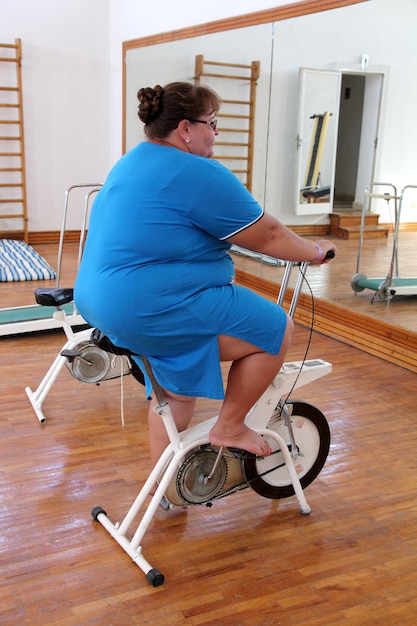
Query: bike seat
[54,296]
[102,341]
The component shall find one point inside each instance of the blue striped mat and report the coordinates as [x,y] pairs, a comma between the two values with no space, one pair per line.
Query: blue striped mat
[19,261]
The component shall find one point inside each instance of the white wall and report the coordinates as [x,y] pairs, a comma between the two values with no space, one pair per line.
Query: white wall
[72,75]
[66,94]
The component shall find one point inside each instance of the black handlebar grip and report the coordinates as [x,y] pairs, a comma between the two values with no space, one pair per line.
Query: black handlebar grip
[330,254]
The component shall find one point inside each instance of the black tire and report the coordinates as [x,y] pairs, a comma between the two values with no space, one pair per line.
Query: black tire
[312,437]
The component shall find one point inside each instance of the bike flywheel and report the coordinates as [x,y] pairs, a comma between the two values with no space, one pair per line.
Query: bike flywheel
[91,365]
[193,483]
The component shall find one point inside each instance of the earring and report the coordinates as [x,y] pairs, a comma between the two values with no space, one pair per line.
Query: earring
[187,141]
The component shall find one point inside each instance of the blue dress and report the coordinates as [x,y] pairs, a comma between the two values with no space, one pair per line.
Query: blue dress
[156,275]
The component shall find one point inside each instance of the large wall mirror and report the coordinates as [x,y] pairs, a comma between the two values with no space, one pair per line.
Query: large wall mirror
[297,110]
[313,77]
[176,61]
[309,75]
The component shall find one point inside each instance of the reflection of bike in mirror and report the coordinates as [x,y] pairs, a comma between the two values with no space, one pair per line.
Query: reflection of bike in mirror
[191,471]
[385,287]
[313,190]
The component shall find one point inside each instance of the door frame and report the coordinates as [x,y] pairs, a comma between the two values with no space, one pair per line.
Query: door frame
[373,115]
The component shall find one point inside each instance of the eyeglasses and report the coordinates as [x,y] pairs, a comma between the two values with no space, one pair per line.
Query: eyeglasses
[212,123]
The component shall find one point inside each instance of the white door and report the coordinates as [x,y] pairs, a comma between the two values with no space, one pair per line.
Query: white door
[319,95]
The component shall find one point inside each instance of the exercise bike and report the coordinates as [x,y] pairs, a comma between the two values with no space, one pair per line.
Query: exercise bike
[191,471]
[86,362]
[80,356]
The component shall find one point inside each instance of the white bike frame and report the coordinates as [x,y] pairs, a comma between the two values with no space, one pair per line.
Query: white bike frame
[292,376]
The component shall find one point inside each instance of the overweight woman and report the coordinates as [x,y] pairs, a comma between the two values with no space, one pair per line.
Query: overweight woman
[157,278]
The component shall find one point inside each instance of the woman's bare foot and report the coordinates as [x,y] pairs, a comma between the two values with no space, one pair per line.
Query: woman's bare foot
[246,439]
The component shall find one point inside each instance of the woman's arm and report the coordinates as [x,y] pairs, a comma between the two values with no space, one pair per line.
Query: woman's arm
[270,237]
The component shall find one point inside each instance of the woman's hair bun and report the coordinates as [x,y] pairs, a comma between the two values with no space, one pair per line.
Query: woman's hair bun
[150,103]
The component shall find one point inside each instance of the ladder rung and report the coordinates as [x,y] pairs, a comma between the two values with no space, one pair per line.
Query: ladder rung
[4,185]
[5,138]
[4,201]
[9,59]
[220,64]
[230,158]
[11,169]
[233,130]
[13,216]
[232,143]
[9,106]
[8,45]
[9,122]
[10,154]
[234,117]
[9,88]
[247,78]
[248,102]
[20,216]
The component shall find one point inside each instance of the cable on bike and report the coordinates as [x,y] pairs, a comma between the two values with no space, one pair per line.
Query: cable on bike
[309,337]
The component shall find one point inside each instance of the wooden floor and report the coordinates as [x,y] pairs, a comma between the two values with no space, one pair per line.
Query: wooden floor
[247,561]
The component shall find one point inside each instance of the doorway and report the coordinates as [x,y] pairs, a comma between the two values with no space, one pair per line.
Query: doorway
[346,153]
[357,138]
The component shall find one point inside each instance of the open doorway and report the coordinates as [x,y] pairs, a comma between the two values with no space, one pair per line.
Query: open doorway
[357,138]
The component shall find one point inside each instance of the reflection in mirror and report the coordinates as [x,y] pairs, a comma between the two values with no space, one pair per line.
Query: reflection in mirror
[313,188]
[176,60]
[280,169]
[236,119]
[316,140]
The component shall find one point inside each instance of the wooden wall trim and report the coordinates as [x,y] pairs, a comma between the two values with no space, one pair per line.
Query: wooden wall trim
[38,237]
[390,343]
[287,11]
[304,230]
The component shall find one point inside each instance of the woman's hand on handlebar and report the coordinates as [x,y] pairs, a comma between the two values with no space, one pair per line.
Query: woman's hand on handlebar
[327,249]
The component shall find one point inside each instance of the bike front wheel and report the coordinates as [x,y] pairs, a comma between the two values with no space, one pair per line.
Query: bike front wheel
[268,476]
